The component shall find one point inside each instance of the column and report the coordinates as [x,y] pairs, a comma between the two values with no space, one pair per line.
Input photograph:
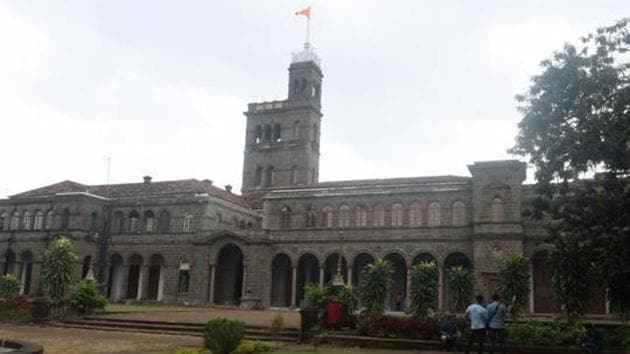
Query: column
[321,278]
[244,285]
[531,287]
[211,297]
[408,292]
[143,281]
[440,288]
[293,287]
[349,282]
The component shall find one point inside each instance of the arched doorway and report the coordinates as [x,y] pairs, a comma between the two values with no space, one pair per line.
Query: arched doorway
[228,287]
[542,269]
[427,257]
[133,278]
[398,292]
[86,266]
[156,278]
[281,281]
[331,265]
[358,266]
[456,259]
[9,263]
[114,279]
[308,272]
[26,274]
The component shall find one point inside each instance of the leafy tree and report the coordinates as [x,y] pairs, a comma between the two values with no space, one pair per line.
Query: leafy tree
[460,286]
[576,123]
[57,267]
[9,287]
[377,281]
[424,288]
[514,283]
[350,301]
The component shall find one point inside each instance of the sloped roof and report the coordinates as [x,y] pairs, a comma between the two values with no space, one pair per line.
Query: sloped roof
[131,190]
[394,181]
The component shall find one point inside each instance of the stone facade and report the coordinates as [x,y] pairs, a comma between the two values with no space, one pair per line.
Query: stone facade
[188,241]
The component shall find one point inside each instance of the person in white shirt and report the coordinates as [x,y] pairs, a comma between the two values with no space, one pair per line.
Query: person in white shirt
[478,317]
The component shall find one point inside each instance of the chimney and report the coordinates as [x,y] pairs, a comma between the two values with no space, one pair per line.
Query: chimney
[228,188]
[209,181]
[147,179]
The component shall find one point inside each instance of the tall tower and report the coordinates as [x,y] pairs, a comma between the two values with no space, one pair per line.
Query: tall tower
[282,138]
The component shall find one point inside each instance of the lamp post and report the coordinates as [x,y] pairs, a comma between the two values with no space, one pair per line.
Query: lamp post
[338,278]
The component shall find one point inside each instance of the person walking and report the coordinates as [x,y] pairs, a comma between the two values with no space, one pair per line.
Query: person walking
[477,314]
[497,312]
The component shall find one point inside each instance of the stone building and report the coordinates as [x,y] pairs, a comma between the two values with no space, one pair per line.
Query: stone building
[189,241]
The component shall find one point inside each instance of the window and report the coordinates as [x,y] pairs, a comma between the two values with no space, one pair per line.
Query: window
[184,277]
[378,216]
[294,175]
[149,221]
[164,222]
[310,218]
[93,221]
[497,210]
[269,177]
[27,220]
[188,219]
[39,220]
[277,132]
[258,176]
[327,216]
[65,219]
[117,222]
[49,220]
[296,131]
[344,216]
[258,134]
[267,136]
[397,214]
[459,214]
[133,221]
[361,217]
[415,215]
[4,223]
[434,214]
[285,217]
[15,220]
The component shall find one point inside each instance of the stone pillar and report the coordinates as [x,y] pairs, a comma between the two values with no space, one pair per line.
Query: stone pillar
[321,278]
[441,288]
[244,284]
[143,281]
[349,282]
[293,287]
[212,279]
[408,292]
[531,286]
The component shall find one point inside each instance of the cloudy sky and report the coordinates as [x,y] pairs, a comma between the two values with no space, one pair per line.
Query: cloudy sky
[411,87]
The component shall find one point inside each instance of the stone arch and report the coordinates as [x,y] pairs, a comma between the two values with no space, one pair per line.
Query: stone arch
[9,262]
[542,287]
[398,292]
[228,284]
[26,273]
[307,272]
[332,267]
[424,256]
[455,258]
[281,280]
[155,284]
[114,279]
[134,277]
[360,261]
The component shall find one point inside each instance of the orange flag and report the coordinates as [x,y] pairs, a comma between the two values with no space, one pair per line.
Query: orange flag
[304,12]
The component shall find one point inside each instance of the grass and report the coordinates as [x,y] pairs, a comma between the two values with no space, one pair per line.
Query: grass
[294,349]
[116,308]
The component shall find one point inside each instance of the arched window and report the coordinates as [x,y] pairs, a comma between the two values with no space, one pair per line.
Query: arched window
[378,216]
[133,221]
[258,135]
[303,85]
[188,220]
[267,133]
[39,220]
[497,210]
[344,216]
[397,214]
[415,215]
[434,217]
[184,277]
[65,219]
[310,218]
[117,222]
[27,220]
[258,176]
[269,177]
[149,221]
[361,216]
[296,130]
[277,132]
[4,222]
[285,217]
[164,222]
[49,220]
[294,175]
[459,214]
[93,221]
[15,220]
[327,216]
[296,86]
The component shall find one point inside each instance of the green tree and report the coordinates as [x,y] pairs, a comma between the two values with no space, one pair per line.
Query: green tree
[350,301]
[57,267]
[424,288]
[377,281]
[9,287]
[514,283]
[460,287]
[576,123]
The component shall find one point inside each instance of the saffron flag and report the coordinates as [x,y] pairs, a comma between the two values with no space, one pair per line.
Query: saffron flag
[304,12]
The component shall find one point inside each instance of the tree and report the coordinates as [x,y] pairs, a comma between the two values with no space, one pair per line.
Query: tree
[57,267]
[576,124]
[377,281]
[460,286]
[424,288]
[514,283]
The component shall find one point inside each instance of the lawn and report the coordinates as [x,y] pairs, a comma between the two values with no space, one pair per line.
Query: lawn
[297,349]
[116,308]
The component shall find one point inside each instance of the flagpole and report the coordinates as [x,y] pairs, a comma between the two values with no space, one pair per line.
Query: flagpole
[308,28]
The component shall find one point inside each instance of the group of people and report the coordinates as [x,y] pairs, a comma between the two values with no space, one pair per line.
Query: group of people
[484,321]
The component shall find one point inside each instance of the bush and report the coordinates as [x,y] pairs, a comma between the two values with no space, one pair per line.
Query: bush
[9,287]
[315,295]
[15,310]
[222,336]
[253,346]
[377,281]
[514,284]
[427,328]
[86,297]
[350,302]
[541,333]
[460,286]
[619,338]
[57,267]
[424,288]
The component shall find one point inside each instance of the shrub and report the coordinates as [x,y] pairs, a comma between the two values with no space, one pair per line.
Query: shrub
[514,283]
[540,333]
[315,295]
[9,287]
[460,285]
[222,336]
[377,281]
[426,328]
[253,346]
[86,297]
[350,302]
[57,267]
[424,288]
[15,310]
[277,322]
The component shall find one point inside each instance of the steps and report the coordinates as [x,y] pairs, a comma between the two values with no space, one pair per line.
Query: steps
[172,328]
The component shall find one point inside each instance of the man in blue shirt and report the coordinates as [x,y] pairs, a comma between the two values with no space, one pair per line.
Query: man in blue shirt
[497,312]
[478,317]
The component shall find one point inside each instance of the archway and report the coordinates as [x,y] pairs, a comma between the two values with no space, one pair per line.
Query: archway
[308,272]
[398,292]
[114,280]
[9,263]
[26,274]
[542,269]
[156,278]
[133,278]
[358,266]
[228,287]
[423,257]
[281,281]
[331,265]
[456,259]
[85,266]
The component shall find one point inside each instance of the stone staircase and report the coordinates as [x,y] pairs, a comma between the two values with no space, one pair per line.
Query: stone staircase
[173,328]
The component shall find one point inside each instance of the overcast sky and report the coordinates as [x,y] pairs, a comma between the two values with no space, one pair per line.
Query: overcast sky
[411,88]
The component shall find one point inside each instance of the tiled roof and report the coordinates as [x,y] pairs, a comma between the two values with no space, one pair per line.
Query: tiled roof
[131,190]
[393,181]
